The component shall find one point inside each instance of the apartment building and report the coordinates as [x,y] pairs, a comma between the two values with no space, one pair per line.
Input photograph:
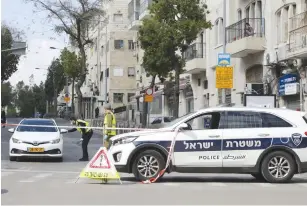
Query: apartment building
[111,61]
[266,61]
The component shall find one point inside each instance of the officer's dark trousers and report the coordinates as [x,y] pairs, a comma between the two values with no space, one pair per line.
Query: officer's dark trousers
[86,138]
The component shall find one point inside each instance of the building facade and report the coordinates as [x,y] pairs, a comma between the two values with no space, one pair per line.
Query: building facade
[269,60]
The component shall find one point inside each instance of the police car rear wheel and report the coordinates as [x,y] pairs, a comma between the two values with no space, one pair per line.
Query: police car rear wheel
[147,165]
[278,167]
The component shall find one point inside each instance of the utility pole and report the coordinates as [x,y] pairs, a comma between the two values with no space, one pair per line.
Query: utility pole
[224,45]
[106,63]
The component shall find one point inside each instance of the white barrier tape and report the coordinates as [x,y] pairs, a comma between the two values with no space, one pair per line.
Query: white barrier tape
[98,128]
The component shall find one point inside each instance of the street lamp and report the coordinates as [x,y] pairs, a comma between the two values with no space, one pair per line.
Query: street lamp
[55,94]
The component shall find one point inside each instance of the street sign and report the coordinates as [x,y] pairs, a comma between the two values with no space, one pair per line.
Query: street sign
[66,99]
[148,98]
[224,77]
[223,59]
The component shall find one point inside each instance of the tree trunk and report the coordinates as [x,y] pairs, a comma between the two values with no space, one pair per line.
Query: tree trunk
[145,104]
[73,96]
[176,100]
[81,80]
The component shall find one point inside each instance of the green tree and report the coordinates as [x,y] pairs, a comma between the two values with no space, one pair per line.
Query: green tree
[9,61]
[6,94]
[54,83]
[179,22]
[74,19]
[72,68]
[39,98]
[25,101]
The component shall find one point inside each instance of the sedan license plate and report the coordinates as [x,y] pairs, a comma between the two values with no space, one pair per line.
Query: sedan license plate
[35,149]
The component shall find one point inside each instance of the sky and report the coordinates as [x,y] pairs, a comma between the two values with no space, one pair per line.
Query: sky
[39,36]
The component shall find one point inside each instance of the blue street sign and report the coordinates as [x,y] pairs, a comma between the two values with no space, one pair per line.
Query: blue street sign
[223,59]
[286,79]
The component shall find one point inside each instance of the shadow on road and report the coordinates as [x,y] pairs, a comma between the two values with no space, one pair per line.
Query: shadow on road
[224,179]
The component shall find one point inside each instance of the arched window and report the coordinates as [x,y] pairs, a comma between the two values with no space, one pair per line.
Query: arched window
[219,33]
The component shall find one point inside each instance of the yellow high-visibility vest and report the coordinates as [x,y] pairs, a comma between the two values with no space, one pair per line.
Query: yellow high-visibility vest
[86,124]
[111,132]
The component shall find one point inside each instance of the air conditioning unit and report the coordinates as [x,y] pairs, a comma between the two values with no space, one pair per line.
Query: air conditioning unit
[254,88]
[283,52]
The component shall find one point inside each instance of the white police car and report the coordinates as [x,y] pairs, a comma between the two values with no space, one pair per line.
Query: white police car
[269,144]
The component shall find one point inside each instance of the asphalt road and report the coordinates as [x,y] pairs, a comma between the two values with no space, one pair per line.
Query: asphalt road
[54,183]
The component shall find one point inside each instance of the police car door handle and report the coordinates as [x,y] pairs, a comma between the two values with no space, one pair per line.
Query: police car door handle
[263,135]
[214,136]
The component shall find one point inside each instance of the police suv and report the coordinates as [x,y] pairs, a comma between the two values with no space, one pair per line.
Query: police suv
[269,144]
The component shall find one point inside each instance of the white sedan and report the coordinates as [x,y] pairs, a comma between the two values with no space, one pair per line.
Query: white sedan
[36,140]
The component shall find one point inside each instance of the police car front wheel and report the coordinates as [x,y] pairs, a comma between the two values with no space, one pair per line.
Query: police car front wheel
[278,167]
[147,165]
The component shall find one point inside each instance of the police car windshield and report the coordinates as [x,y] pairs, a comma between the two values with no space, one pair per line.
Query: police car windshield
[40,126]
[175,121]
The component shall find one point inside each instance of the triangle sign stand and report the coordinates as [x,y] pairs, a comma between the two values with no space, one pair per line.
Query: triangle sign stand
[100,167]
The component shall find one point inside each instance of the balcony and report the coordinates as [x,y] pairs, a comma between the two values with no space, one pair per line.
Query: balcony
[144,11]
[298,36]
[194,56]
[241,41]
[133,14]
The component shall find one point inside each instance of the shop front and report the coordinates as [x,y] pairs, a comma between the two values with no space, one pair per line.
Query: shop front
[288,90]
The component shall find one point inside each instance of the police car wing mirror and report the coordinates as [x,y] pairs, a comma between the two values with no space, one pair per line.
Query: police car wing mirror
[183,126]
[62,131]
[11,130]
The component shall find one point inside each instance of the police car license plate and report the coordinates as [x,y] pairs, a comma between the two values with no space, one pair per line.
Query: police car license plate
[35,149]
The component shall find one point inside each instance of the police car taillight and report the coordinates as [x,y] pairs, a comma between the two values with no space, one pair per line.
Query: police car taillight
[306,133]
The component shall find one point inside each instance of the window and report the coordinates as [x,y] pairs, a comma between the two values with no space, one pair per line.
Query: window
[37,129]
[270,120]
[198,82]
[118,72]
[239,15]
[117,17]
[131,45]
[118,44]
[205,121]
[243,119]
[206,84]
[107,72]
[131,71]
[118,97]
[130,95]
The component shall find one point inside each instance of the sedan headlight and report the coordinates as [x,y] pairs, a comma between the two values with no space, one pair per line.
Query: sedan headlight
[56,141]
[16,140]
[124,140]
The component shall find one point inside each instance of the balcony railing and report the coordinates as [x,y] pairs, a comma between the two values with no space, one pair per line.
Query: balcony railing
[134,17]
[298,21]
[196,50]
[298,39]
[144,6]
[240,29]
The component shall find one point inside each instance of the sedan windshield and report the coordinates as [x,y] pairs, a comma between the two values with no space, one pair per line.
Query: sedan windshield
[175,121]
[39,126]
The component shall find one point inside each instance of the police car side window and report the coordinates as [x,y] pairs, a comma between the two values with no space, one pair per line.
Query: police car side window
[270,120]
[243,119]
[205,121]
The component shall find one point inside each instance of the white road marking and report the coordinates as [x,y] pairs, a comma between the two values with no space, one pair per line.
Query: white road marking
[265,184]
[172,184]
[4,174]
[36,177]
[216,184]
[40,171]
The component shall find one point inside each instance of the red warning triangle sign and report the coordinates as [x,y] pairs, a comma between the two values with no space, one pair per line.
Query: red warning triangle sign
[101,161]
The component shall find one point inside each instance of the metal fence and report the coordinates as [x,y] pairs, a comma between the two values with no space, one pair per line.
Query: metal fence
[298,39]
[239,30]
[144,6]
[196,50]
[298,21]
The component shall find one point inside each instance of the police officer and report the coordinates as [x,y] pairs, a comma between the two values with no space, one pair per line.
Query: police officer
[87,133]
[110,122]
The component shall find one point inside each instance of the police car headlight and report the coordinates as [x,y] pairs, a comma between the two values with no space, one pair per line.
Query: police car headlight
[124,140]
[16,140]
[55,141]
